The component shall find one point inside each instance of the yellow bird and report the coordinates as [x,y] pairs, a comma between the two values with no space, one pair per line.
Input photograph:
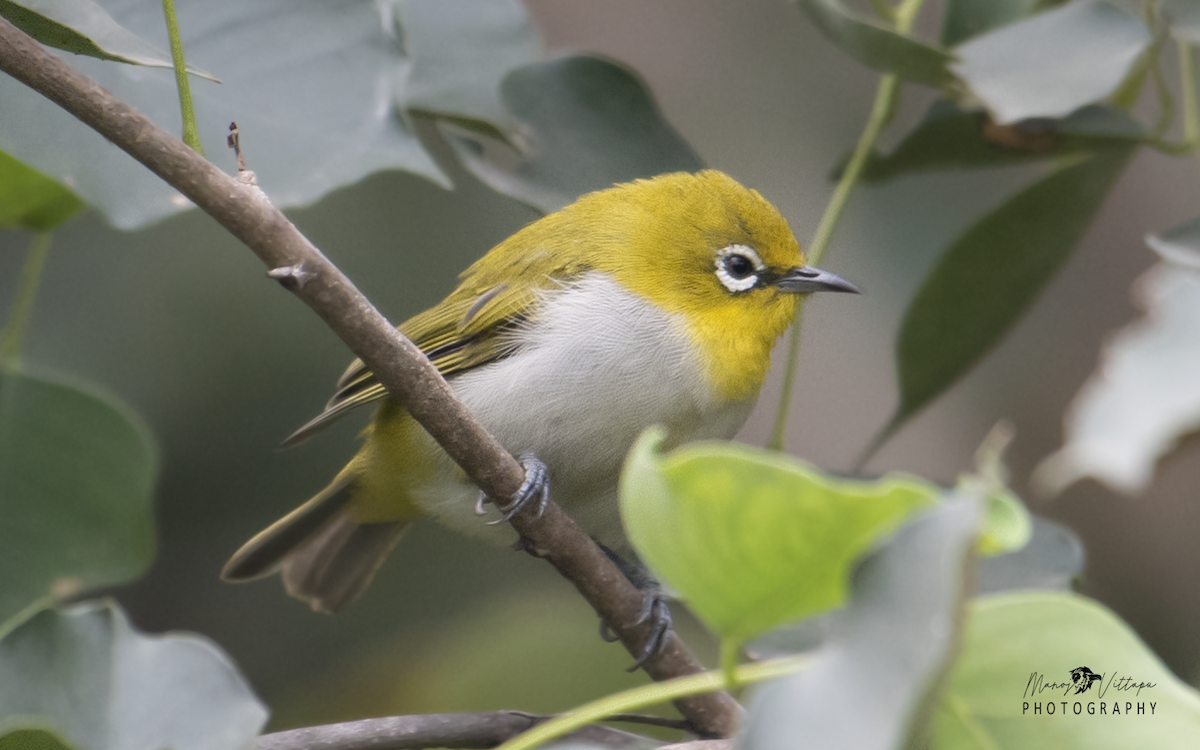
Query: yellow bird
[656,301]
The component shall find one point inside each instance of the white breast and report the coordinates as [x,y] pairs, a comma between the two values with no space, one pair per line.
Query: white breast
[595,365]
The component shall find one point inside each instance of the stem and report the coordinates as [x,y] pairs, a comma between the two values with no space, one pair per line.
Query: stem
[13,334]
[647,695]
[881,114]
[1187,84]
[191,134]
[729,658]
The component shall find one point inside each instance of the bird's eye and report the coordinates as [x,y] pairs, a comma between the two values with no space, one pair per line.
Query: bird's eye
[738,267]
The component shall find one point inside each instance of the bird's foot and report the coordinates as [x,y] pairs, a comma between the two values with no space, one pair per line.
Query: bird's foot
[655,608]
[657,611]
[536,487]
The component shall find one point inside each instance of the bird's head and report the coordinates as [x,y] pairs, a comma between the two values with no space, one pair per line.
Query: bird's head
[714,253]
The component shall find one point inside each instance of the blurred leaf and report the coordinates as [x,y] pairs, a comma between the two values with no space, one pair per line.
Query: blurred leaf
[875,46]
[1145,394]
[950,138]
[1183,17]
[586,123]
[751,538]
[1050,560]
[76,473]
[90,677]
[33,739]
[460,52]
[992,273]
[31,200]
[1054,63]
[83,27]
[968,18]
[313,117]
[1012,638]
[1008,527]
[874,684]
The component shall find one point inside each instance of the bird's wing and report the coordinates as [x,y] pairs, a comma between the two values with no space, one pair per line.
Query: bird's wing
[466,330]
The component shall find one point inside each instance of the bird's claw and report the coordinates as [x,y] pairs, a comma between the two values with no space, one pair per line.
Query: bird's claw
[535,487]
[655,610]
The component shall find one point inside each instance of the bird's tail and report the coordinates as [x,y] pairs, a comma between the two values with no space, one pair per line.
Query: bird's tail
[325,558]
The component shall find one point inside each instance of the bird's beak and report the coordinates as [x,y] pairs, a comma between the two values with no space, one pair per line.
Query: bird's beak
[808,279]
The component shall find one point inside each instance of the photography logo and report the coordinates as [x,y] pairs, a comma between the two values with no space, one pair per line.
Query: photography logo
[1099,701]
[1083,679]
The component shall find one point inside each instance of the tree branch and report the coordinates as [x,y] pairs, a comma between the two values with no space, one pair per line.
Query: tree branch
[466,730]
[244,210]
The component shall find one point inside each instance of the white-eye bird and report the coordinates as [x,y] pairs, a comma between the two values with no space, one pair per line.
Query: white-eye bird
[656,301]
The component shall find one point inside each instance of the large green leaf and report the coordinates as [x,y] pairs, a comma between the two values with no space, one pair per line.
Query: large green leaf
[1053,63]
[83,27]
[992,273]
[586,123]
[86,675]
[31,200]
[310,83]
[1012,641]
[750,538]
[460,52]
[875,681]
[876,46]
[1145,394]
[76,473]
[964,19]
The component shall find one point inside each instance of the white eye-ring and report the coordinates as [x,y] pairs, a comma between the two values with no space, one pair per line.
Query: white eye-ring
[738,267]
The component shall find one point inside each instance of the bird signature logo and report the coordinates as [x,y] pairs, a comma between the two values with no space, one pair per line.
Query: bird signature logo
[1082,678]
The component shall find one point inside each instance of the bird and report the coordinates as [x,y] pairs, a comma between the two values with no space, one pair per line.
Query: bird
[656,301]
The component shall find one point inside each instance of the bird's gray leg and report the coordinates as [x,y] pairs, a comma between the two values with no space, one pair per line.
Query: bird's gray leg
[654,607]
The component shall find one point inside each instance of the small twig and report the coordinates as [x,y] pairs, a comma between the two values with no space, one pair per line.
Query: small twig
[482,729]
[410,378]
[234,141]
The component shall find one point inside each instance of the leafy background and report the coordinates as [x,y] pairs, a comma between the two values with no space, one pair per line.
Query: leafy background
[180,322]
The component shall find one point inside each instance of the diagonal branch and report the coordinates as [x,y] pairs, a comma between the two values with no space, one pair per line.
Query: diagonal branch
[244,210]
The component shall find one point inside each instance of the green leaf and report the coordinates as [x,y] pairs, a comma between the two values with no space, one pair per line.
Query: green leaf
[587,123]
[1054,63]
[1145,394]
[992,273]
[753,539]
[76,473]
[1013,639]
[460,53]
[83,27]
[878,47]
[964,19]
[313,116]
[31,200]
[875,682]
[89,677]
[33,739]
[950,138]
